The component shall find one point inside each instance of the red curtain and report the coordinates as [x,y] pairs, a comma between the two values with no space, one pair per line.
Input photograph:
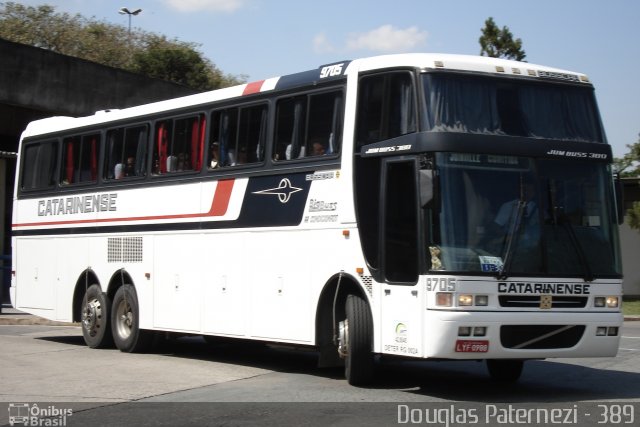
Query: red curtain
[197,142]
[162,147]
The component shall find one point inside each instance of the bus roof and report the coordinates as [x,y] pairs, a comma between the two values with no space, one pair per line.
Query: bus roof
[336,70]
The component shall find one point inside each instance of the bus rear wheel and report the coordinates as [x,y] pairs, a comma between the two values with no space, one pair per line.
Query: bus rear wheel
[95,319]
[356,341]
[125,317]
[505,370]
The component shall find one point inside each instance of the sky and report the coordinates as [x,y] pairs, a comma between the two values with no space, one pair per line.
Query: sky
[267,38]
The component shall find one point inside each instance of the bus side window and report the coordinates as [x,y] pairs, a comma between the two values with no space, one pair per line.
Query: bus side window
[308,125]
[80,159]
[126,152]
[324,124]
[39,163]
[290,128]
[386,107]
[223,144]
[179,145]
[252,134]
[238,136]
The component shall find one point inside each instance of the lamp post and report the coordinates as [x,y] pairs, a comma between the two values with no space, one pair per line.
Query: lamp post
[126,11]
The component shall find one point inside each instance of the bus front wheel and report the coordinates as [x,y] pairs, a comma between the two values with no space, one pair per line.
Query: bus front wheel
[356,341]
[125,316]
[505,370]
[95,322]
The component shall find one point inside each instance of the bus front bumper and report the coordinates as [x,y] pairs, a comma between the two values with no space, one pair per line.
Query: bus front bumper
[520,335]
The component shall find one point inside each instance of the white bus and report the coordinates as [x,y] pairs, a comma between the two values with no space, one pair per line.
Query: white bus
[423,206]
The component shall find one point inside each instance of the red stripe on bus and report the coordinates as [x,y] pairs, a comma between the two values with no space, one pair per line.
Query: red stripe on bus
[253,87]
[221,198]
[219,207]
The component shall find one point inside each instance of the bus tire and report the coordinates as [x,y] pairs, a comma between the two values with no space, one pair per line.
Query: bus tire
[358,366]
[505,370]
[95,318]
[125,318]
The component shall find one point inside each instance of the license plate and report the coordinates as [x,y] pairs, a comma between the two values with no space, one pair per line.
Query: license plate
[472,346]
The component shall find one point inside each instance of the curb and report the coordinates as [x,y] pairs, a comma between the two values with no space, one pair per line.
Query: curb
[31,320]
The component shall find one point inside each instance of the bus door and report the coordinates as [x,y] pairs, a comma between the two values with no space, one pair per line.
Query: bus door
[402,301]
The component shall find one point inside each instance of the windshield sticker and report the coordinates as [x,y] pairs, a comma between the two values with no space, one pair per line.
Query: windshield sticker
[490,264]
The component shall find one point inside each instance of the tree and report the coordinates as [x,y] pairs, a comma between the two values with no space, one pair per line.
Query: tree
[112,45]
[179,62]
[499,43]
[629,167]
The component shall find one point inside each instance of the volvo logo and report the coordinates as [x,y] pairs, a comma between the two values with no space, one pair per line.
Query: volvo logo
[284,190]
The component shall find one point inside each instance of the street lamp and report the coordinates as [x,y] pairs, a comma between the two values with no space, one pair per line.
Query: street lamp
[126,11]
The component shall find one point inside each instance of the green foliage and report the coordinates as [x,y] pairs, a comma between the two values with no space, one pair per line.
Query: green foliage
[629,165]
[633,216]
[112,45]
[499,43]
[631,306]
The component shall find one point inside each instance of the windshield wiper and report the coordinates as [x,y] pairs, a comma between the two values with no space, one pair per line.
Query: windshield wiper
[560,217]
[512,237]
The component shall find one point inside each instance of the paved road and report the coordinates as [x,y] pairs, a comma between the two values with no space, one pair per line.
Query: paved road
[106,387]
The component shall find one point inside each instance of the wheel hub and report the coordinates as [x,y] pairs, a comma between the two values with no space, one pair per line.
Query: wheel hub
[125,320]
[90,316]
[343,338]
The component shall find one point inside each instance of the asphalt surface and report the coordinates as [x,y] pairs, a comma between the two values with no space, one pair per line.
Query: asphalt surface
[189,382]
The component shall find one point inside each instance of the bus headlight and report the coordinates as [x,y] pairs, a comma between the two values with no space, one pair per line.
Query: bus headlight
[465,300]
[609,302]
[444,299]
[482,300]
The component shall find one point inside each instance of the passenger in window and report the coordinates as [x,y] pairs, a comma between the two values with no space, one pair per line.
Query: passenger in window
[130,169]
[242,157]
[317,149]
[118,172]
[215,156]
[184,162]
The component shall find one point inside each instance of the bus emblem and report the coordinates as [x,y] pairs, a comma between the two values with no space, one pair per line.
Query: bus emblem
[284,190]
[546,302]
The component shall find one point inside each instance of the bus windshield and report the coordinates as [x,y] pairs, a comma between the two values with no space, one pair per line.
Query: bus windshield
[484,105]
[508,215]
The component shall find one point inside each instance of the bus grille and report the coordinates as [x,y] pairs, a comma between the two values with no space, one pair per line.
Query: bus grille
[528,337]
[533,301]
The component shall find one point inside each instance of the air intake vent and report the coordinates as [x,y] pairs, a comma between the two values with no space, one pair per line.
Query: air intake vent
[124,249]
[529,337]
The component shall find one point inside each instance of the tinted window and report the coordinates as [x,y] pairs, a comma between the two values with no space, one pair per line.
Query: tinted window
[238,136]
[39,165]
[80,159]
[126,152]
[179,144]
[308,125]
[386,107]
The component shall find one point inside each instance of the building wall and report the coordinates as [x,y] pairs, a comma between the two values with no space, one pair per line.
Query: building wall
[39,79]
[36,83]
